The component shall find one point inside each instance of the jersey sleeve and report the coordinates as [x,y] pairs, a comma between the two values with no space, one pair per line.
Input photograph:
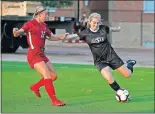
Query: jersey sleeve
[107,29]
[48,32]
[26,26]
[82,35]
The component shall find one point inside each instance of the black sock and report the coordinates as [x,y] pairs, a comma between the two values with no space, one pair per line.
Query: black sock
[114,86]
[130,67]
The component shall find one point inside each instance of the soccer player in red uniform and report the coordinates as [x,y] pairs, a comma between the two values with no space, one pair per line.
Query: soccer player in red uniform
[37,31]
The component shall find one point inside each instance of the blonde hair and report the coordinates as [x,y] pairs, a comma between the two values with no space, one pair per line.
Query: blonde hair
[38,10]
[93,15]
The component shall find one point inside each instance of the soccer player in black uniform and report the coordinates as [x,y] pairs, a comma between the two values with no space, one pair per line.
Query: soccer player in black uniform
[105,58]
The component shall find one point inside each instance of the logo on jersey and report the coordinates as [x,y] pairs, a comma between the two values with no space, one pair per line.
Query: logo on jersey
[43,34]
[97,40]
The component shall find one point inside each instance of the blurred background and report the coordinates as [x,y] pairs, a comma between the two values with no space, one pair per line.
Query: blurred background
[136,19]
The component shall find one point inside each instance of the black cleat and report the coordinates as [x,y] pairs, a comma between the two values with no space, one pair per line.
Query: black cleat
[132,62]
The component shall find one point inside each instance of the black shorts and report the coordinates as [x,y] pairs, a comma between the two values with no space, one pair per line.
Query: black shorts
[114,63]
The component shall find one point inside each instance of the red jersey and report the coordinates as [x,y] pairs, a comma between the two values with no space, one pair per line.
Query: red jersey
[36,33]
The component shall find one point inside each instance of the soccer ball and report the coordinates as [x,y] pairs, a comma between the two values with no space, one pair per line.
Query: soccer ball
[122,95]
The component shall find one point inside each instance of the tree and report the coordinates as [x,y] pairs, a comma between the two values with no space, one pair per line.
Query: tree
[59,3]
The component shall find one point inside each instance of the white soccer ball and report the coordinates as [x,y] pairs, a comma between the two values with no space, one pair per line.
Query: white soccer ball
[122,95]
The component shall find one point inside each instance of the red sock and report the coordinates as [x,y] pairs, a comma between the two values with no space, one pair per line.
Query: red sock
[50,89]
[39,83]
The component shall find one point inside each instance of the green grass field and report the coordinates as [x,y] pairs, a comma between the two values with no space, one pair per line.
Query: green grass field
[80,86]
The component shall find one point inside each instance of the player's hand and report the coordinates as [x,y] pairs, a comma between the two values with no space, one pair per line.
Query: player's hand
[14,30]
[64,36]
[119,27]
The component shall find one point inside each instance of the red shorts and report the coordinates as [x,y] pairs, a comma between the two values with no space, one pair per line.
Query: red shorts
[36,55]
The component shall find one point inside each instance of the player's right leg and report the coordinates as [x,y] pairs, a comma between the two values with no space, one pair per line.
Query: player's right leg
[42,69]
[107,74]
[127,70]
[130,64]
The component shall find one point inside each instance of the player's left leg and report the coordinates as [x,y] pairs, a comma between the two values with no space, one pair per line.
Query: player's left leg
[107,74]
[42,69]
[40,83]
[53,72]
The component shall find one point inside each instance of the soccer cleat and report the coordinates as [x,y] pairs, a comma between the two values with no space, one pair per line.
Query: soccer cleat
[36,91]
[58,103]
[132,62]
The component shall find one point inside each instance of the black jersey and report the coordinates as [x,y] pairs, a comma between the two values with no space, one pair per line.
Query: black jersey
[98,43]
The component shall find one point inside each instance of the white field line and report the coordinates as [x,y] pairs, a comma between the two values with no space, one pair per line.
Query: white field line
[92,69]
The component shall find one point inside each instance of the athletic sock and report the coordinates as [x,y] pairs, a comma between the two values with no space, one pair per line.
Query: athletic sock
[50,89]
[114,86]
[39,83]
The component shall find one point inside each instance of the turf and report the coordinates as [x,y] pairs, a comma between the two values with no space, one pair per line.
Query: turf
[80,86]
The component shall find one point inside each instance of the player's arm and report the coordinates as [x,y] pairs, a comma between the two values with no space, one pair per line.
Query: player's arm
[72,37]
[50,36]
[115,29]
[17,32]
[66,36]
[53,37]
[78,36]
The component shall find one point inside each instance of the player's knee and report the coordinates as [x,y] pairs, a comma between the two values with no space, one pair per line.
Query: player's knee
[53,76]
[47,75]
[127,75]
[110,81]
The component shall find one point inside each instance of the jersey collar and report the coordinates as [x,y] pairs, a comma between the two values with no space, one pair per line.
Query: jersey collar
[95,30]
